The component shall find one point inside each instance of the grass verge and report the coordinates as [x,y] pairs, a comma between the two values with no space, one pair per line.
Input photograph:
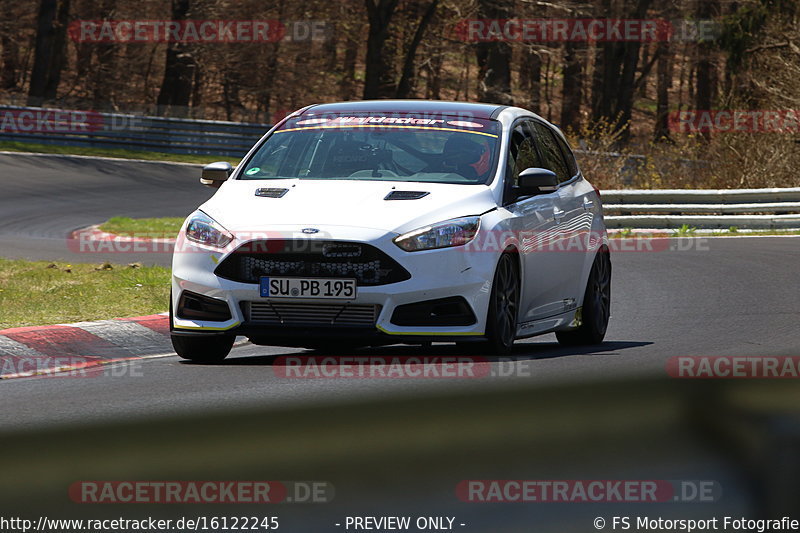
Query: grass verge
[161,228]
[15,146]
[36,293]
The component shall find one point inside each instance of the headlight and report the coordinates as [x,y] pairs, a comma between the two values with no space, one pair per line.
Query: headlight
[204,230]
[455,232]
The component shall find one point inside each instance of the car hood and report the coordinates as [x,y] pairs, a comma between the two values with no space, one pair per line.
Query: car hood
[321,203]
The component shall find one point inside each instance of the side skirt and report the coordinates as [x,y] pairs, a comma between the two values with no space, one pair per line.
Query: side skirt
[568,320]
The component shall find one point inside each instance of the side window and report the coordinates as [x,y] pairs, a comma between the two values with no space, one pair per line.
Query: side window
[569,157]
[551,152]
[523,154]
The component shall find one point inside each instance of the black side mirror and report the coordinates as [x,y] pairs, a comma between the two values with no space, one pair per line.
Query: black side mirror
[215,174]
[534,181]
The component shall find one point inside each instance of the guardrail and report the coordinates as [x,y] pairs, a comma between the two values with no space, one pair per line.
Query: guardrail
[130,132]
[769,209]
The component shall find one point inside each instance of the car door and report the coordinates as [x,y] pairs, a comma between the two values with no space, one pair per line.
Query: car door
[572,222]
[532,223]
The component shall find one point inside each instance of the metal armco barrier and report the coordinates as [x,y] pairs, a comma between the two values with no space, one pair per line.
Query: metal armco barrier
[704,209]
[131,132]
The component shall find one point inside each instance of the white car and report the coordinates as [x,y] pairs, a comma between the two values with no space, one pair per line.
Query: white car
[384,222]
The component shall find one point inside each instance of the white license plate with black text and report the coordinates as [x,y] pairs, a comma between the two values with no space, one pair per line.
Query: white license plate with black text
[344,289]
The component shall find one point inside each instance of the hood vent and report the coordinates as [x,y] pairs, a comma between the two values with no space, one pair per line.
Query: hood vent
[406,195]
[271,193]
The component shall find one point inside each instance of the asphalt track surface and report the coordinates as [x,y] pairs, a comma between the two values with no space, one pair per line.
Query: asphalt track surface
[722,296]
[46,197]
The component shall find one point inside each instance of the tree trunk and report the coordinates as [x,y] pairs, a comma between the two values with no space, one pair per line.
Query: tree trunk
[197,92]
[406,83]
[705,68]
[536,83]
[50,54]
[230,90]
[624,107]
[530,78]
[269,82]
[494,58]
[603,78]
[179,71]
[329,49]
[103,76]
[379,81]
[572,87]
[10,62]
[347,83]
[663,84]
[433,88]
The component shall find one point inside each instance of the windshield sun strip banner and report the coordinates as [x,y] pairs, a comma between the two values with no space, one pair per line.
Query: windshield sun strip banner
[386,126]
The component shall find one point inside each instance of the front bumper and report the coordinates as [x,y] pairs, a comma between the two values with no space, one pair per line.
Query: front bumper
[435,274]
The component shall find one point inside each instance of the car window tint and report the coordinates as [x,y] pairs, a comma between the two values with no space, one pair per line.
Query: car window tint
[268,163]
[553,159]
[523,154]
[569,157]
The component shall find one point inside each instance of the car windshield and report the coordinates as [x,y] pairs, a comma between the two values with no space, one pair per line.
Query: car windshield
[393,148]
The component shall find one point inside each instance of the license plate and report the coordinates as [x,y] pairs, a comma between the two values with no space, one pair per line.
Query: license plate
[342,289]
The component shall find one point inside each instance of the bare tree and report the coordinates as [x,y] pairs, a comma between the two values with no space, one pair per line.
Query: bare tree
[572,86]
[347,82]
[406,83]
[530,78]
[50,54]
[379,79]
[663,82]
[705,68]
[103,76]
[613,86]
[179,70]
[494,57]
[9,61]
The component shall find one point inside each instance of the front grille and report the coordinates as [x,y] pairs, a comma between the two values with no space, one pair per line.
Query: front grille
[310,314]
[311,258]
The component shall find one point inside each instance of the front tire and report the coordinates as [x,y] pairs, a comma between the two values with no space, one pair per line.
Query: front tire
[203,349]
[503,306]
[596,306]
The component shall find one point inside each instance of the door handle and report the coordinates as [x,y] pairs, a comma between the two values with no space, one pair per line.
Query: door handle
[558,214]
[587,204]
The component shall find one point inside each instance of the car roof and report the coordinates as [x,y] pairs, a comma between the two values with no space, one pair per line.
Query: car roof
[412,107]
